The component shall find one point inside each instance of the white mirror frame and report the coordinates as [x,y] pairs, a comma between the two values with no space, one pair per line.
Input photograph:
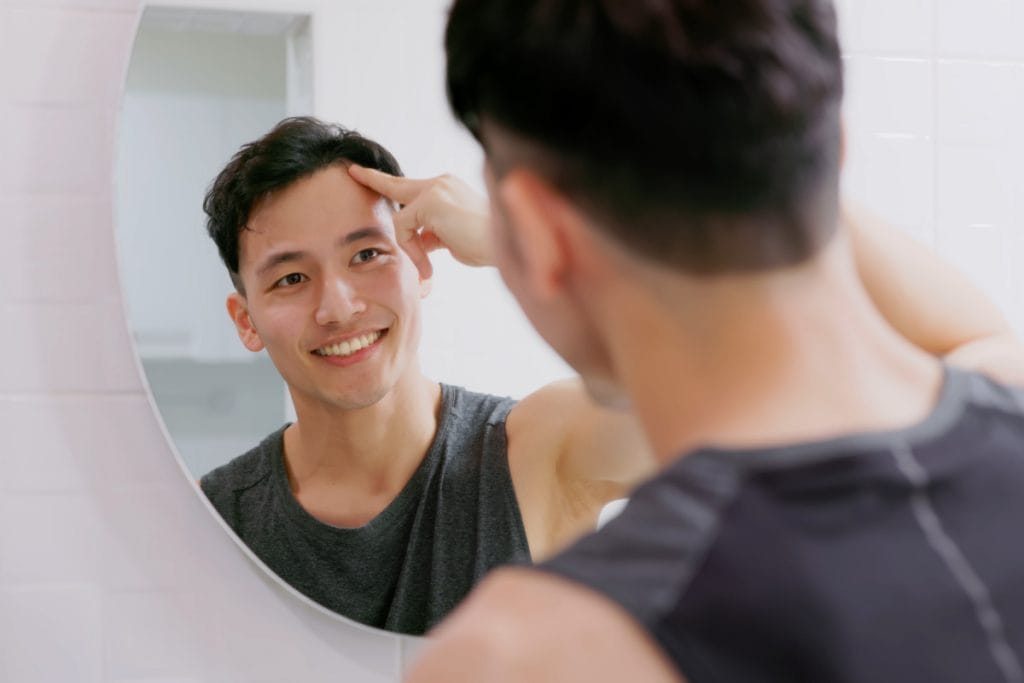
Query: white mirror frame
[113,566]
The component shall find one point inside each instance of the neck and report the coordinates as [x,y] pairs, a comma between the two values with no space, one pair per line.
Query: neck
[371,449]
[764,359]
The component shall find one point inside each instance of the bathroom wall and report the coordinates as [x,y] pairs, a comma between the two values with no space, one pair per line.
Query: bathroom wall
[111,567]
[935,101]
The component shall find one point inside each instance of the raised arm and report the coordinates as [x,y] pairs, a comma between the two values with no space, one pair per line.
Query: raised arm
[930,302]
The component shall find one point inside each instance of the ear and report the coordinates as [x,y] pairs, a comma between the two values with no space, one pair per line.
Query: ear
[540,222]
[239,312]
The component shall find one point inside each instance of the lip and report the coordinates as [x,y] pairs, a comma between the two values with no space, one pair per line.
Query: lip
[357,357]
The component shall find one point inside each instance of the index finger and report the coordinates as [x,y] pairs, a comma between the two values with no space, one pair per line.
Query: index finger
[417,251]
[397,188]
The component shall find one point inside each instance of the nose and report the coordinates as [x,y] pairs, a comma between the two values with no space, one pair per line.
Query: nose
[339,303]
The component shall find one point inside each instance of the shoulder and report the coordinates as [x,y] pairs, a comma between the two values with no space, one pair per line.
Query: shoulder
[244,471]
[596,451]
[551,401]
[520,624]
[541,421]
[980,391]
[476,408]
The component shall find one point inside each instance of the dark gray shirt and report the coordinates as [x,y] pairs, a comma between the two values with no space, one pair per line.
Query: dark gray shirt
[884,558]
[456,519]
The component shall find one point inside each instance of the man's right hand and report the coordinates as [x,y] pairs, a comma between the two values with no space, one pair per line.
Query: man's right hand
[441,212]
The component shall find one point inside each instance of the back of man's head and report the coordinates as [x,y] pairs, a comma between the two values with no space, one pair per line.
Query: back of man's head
[294,149]
[702,134]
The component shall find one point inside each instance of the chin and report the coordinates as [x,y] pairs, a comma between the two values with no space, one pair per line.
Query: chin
[354,395]
[361,398]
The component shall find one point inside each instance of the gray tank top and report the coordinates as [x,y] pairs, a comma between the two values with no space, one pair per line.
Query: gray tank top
[456,519]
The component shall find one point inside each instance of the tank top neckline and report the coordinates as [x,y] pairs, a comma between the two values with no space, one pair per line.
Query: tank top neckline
[393,512]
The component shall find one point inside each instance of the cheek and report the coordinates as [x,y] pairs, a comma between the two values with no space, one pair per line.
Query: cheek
[407,279]
[394,287]
[272,322]
[285,315]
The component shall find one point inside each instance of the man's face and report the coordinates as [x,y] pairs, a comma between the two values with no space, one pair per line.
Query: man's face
[328,291]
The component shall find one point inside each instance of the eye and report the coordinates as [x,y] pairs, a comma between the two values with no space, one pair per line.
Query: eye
[290,280]
[366,255]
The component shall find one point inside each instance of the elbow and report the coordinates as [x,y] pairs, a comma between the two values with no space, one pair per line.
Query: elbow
[999,355]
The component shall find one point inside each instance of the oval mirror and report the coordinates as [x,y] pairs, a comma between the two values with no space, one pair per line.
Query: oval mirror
[378,542]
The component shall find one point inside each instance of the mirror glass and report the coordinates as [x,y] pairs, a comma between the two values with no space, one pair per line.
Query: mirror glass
[202,84]
[199,85]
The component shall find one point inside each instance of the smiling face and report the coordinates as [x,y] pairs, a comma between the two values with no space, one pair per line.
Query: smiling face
[328,292]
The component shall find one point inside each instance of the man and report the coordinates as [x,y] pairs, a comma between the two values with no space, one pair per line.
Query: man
[834,503]
[391,494]
[344,503]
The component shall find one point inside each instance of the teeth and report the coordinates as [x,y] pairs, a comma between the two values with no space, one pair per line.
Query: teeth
[347,348]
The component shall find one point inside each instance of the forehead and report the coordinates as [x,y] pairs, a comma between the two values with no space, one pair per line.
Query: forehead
[314,210]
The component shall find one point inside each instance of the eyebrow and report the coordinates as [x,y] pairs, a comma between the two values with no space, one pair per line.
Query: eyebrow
[275,260]
[362,234]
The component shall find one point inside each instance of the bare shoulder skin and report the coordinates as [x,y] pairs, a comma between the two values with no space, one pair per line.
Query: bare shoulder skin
[569,457]
[513,627]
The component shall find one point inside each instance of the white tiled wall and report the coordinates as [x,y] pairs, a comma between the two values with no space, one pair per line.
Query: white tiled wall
[111,567]
[933,115]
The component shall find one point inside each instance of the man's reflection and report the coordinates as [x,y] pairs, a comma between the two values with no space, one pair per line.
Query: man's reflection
[391,495]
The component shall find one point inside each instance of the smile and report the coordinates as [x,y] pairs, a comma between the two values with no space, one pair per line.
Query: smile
[350,346]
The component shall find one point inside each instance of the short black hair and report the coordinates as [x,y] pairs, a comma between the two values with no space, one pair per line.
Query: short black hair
[702,134]
[297,147]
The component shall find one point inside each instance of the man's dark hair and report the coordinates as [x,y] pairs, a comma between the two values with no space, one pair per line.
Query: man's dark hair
[296,148]
[702,134]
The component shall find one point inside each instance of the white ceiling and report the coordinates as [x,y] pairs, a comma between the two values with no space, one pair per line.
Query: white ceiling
[218,21]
